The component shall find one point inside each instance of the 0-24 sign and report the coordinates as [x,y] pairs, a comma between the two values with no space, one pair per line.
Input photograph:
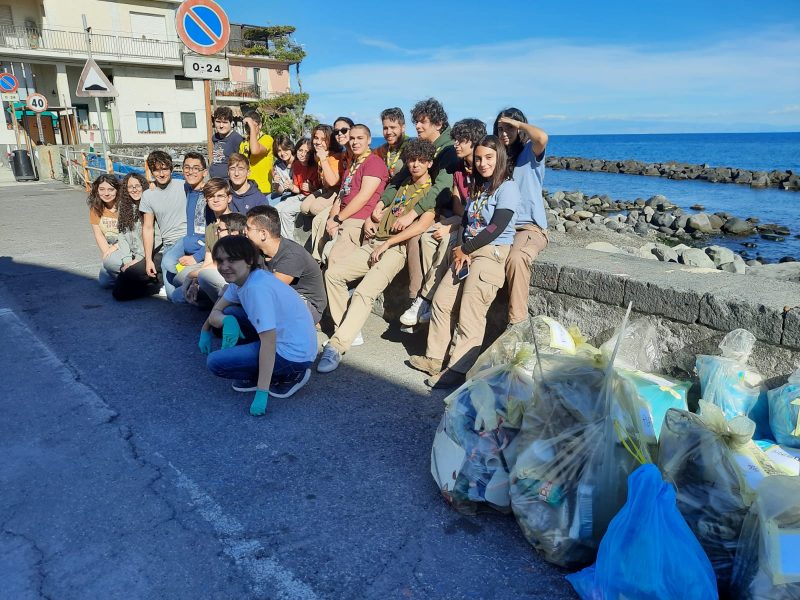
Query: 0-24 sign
[205,67]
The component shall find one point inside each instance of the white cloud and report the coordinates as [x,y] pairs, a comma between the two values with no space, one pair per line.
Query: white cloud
[569,81]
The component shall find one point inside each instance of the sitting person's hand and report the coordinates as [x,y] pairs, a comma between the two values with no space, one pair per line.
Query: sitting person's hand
[187,260]
[259,405]
[205,341]
[231,332]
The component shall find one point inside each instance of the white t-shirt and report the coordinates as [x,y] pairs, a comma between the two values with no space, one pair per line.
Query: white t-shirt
[271,304]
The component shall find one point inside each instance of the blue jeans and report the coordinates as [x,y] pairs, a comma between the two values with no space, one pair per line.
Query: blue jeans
[170,257]
[241,361]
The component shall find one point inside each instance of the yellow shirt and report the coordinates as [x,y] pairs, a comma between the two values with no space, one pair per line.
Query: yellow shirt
[260,166]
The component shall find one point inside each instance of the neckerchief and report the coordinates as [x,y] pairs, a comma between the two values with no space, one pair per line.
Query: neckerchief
[345,189]
[400,201]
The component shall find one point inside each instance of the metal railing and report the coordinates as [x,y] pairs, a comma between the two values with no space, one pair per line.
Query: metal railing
[74,42]
[237,89]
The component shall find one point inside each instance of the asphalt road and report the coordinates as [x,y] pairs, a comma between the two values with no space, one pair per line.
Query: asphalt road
[128,471]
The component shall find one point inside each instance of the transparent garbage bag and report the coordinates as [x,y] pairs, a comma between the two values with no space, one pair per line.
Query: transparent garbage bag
[638,350]
[767,563]
[648,550]
[785,458]
[784,411]
[474,451]
[550,336]
[580,439]
[727,381]
[715,467]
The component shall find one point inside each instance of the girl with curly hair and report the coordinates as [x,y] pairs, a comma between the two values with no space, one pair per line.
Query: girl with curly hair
[102,203]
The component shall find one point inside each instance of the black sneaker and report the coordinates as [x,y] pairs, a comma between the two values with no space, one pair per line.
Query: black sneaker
[287,387]
[245,385]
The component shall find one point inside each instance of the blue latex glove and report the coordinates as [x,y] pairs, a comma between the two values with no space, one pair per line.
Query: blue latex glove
[259,405]
[231,332]
[205,342]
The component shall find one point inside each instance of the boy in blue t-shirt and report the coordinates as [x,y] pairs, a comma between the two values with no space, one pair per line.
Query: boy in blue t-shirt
[278,338]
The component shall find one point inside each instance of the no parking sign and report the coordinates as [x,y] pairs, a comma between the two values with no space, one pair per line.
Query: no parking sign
[203,26]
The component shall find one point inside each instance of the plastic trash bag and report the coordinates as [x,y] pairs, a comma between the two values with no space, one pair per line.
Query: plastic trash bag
[715,467]
[768,559]
[727,381]
[648,550]
[657,394]
[638,350]
[784,411]
[576,450]
[551,338]
[474,451]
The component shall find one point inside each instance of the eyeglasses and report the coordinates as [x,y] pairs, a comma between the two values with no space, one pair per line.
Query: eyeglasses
[248,228]
[134,188]
[195,169]
[222,230]
[341,131]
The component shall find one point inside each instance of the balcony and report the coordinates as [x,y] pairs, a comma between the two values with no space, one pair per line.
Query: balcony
[238,91]
[60,43]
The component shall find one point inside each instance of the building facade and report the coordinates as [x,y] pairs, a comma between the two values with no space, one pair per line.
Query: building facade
[44,44]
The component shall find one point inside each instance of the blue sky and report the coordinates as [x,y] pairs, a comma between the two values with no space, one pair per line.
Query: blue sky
[579,67]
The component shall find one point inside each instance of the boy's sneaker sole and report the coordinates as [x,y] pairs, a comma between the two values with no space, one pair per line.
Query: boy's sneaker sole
[244,386]
[293,389]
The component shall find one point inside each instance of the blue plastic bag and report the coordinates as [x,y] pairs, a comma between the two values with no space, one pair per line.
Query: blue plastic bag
[784,411]
[648,550]
[659,394]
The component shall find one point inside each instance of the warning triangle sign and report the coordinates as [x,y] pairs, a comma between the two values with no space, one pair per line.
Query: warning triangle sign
[94,83]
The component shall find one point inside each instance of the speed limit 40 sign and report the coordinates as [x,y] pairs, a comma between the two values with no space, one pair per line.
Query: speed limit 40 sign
[36,102]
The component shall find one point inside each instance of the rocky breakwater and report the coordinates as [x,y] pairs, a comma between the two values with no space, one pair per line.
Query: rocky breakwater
[787,180]
[674,233]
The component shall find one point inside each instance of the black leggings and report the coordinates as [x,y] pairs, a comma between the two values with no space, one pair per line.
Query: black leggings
[134,282]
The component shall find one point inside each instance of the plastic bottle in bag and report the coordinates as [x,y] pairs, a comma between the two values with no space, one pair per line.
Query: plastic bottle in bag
[648,551]
[784,411]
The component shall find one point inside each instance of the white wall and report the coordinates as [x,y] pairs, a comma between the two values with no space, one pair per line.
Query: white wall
[142,89]
[106,15]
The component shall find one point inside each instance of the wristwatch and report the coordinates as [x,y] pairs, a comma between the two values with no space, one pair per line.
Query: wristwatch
[336,219]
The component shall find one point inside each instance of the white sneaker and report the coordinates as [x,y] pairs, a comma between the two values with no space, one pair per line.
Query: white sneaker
[329,360]
[359,340]
[412,316]
[162,293]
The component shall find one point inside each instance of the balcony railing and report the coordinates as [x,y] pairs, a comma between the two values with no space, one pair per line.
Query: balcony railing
[74,42]
[236,89]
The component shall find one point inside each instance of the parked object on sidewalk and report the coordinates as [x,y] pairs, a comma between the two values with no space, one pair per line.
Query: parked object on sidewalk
[22,166]
[727,381]
[474,450]
[768,558]
[714,466]
[784,411]
[580,439]
[550,335]
[648,550]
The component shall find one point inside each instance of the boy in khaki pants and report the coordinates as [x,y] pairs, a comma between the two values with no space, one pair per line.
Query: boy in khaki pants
[383,254]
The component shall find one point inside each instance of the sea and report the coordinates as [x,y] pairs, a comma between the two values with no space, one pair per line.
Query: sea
[755,151]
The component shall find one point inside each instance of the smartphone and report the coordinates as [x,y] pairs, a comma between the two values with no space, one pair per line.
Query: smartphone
[462,274]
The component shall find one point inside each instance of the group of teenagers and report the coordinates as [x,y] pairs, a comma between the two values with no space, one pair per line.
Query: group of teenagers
[460,209]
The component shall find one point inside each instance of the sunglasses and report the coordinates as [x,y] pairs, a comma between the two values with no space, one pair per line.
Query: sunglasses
[341,131]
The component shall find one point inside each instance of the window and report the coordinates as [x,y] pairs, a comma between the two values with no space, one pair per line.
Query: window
[188,120]
[183,83]
[149,122]
[148,25]
[82,114]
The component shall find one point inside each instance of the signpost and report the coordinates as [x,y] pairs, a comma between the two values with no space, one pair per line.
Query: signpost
[205,29]
[38,104]
[8,87]
[94,84]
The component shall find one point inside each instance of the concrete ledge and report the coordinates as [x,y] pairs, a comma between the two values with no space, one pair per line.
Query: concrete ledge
[791,329]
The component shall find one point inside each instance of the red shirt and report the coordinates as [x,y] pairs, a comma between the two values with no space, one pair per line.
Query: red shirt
[373,166]
[302,173]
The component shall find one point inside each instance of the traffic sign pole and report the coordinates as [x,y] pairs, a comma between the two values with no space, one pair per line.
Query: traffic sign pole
[96,99]
[209,124]
[16,124]
[9,85]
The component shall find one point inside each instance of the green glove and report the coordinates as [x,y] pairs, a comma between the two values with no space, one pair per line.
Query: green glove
[231,332]
[259,405]
[205,342]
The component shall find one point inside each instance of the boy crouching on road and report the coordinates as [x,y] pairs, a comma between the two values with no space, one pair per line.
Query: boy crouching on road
[383,254]
[278,338]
